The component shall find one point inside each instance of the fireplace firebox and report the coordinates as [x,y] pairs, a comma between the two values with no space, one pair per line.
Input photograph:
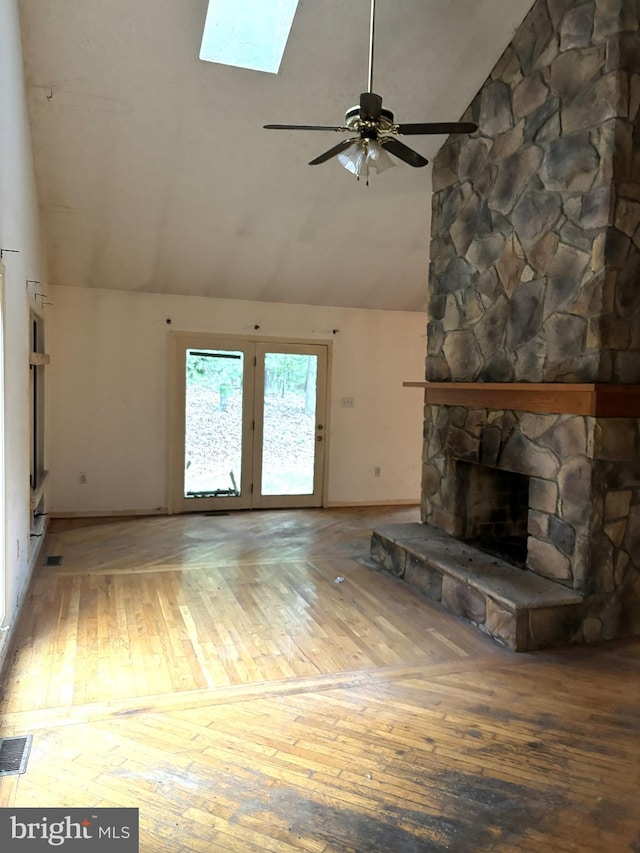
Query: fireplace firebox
[494,510]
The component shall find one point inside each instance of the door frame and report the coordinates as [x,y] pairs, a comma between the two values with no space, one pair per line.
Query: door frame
[261,501]
[181,340]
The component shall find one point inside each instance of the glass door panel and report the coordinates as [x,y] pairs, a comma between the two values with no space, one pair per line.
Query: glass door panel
[289,427]
[213,423]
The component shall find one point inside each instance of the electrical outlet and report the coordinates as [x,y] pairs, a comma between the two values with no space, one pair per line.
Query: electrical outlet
[82,479]
[376,471]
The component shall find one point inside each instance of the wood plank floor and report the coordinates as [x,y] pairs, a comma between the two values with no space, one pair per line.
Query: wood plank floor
[212,672]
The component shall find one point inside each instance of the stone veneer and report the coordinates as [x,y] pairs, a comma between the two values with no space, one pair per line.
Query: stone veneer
[535,252]
[584,500]
[535,277]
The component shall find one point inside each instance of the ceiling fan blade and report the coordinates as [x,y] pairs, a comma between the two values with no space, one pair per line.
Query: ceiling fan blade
[441,127]
[302,127]
[394,146]
[370,106]
[332,152]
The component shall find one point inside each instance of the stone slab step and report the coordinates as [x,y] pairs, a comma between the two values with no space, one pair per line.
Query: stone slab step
[517,607]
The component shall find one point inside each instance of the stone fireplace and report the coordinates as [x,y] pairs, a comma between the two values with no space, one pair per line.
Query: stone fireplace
[531,462]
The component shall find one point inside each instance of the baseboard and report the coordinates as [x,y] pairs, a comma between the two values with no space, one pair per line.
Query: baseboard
[122,513]
[111,513]
[397,502]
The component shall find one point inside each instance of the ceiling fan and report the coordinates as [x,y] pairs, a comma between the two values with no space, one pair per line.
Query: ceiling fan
[375,130]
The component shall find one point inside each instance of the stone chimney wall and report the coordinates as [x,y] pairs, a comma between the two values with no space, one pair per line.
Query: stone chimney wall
[535,252]
[535,278]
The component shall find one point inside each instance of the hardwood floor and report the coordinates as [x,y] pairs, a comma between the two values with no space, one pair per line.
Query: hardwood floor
[212,672]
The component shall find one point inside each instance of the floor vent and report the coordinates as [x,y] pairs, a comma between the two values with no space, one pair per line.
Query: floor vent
[53,561]
[14,754]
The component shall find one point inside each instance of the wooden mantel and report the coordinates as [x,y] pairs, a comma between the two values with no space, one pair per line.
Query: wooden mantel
[606,401]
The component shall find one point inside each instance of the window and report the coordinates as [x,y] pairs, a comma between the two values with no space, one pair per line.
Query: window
[37,474]
[37,401]
[247,33]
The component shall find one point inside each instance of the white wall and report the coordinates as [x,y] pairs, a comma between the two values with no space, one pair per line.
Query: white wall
[18,230]
[109,393]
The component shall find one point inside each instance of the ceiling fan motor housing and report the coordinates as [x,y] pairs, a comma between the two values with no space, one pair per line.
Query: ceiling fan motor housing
[352,118]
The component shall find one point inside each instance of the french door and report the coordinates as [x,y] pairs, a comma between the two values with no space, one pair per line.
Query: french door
[247,423]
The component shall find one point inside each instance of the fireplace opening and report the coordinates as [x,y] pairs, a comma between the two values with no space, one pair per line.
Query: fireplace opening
[494,511]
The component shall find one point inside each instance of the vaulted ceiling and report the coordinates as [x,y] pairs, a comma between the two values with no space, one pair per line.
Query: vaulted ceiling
[154,172]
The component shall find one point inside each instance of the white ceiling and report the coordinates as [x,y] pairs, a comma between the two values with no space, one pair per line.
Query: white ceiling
[154,172]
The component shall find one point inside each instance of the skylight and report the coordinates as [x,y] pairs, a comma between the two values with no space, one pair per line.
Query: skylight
[247,33]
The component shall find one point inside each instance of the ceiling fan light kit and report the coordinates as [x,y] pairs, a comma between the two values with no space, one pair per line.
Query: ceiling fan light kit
[364,156]
[377,134]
